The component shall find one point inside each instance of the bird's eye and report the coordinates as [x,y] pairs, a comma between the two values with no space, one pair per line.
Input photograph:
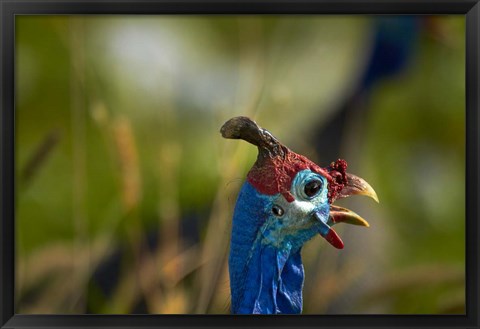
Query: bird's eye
[277,210]
[312,187]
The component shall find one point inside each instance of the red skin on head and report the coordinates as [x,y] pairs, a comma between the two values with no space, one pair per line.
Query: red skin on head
[272,175]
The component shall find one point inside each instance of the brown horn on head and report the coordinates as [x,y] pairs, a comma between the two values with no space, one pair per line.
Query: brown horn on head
[248,130]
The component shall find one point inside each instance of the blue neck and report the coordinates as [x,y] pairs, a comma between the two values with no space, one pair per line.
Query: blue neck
[263,278]
[273,283]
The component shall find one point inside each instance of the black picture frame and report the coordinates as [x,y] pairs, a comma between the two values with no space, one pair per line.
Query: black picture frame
[10,8]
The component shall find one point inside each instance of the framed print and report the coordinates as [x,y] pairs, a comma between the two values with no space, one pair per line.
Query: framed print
[199,164]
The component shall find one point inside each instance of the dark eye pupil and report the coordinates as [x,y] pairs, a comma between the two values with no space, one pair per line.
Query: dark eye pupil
[312,188]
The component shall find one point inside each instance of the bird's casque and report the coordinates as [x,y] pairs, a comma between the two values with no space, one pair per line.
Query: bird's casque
[285,201]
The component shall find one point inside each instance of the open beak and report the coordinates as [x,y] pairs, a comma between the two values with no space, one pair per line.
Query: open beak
[344,215]
[355,186]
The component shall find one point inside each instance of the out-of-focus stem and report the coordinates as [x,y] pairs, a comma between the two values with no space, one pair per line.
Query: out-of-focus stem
[79,162]
[251,72]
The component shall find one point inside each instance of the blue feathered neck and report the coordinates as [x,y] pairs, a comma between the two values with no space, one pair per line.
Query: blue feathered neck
[264,279]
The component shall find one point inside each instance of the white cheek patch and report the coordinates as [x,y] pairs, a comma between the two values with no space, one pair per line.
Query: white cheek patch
[300,208]
[296,213]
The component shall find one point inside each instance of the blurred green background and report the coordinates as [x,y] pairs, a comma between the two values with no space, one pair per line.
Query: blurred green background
[125,188]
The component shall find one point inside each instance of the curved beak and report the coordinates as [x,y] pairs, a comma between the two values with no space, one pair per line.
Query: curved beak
[355,186]
[344,215]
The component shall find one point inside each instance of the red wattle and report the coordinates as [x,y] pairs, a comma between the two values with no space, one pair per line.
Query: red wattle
[333,238]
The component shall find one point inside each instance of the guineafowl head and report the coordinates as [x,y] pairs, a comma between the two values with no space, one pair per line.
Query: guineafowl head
[286,201]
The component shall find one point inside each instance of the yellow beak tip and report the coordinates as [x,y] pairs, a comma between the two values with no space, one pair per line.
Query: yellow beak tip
[370,192]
